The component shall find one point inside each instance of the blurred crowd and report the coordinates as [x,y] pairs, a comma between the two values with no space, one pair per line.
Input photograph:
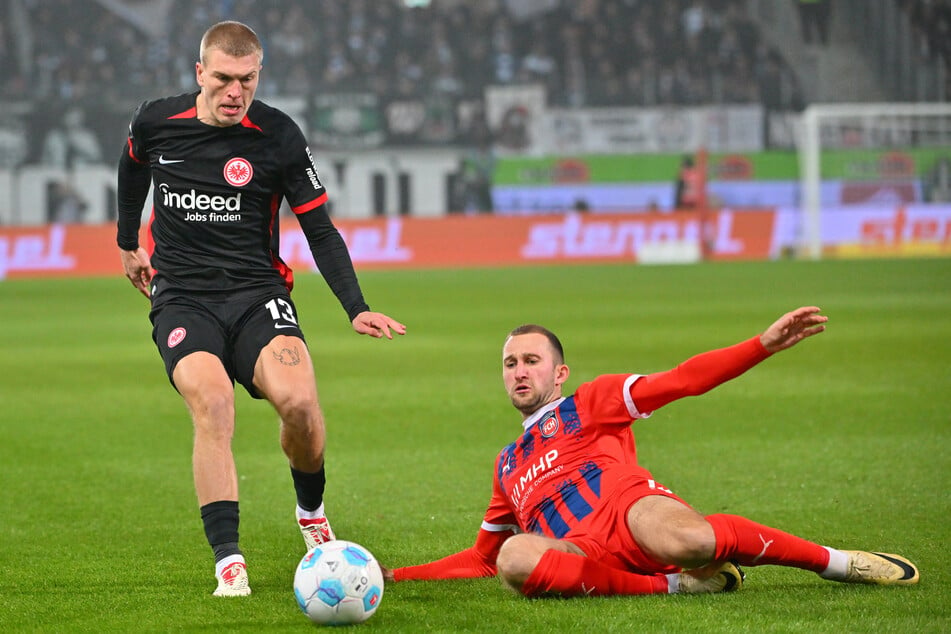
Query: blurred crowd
[932,20]
[586,52]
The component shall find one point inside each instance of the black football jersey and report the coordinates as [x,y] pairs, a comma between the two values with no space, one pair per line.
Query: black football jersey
[218,190]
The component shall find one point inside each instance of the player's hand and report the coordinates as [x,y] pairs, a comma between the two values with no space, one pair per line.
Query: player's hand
[377,325]
[138,268]
[792,328]
[387,574]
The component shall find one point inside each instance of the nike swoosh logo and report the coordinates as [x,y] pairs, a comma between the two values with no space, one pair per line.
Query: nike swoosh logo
[164,161]
[284,326]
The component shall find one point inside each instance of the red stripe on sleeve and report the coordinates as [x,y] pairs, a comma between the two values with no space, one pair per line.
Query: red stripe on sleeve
[317,202]
[132,154]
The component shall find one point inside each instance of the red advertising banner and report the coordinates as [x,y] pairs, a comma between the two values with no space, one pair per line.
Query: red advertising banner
[490,240]
[453,241]
[910,230]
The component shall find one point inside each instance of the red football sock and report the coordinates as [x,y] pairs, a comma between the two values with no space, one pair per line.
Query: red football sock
[751,544]
[572,575]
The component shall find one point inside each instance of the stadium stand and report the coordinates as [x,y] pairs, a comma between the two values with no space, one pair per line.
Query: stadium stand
[931,20]
[105,56]
[587,53]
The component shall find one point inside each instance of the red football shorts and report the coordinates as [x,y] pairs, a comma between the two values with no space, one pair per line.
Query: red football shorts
[604,534]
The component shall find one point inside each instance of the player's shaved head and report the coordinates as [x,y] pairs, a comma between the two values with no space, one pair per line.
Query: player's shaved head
[231,38]
[527,329]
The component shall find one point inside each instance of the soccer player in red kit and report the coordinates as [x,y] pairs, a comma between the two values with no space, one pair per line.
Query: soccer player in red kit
[572,513]
[221,164]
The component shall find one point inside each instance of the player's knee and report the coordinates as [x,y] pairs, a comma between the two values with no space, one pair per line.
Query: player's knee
[213,413]
[516,561]
[296,407]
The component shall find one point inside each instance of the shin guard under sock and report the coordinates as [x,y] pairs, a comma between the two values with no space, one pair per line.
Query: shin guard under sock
[309,488]
[750,544]
[221,527]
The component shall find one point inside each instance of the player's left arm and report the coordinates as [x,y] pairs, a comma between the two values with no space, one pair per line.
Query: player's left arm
[308,199]
[333,259]
[705,371]
[792,328]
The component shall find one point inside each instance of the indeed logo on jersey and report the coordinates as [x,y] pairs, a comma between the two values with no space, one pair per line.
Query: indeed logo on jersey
[193,201]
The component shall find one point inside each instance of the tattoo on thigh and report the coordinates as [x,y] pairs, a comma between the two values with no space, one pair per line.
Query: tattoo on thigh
[288,356]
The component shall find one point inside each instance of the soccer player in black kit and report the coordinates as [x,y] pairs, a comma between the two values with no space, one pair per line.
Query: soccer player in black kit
[221,312]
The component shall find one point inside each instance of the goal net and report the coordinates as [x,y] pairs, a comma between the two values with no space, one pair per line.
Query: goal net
[876,154]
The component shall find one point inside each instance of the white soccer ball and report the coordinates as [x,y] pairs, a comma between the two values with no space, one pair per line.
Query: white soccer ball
[338,583]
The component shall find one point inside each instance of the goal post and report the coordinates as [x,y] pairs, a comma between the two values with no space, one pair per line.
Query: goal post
[847,145]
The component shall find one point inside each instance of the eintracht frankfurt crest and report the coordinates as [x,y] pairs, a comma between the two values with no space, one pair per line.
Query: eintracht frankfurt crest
[238,172]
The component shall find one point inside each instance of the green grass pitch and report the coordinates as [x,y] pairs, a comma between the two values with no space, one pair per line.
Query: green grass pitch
[844,439]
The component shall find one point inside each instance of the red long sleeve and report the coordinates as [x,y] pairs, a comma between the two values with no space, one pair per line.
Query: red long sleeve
[476,561]
[697,374]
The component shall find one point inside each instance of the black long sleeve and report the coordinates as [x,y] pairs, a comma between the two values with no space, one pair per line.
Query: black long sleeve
[333,259]
[133,184]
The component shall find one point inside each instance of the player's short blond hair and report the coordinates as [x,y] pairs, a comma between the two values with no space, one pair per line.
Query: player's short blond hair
[231,38]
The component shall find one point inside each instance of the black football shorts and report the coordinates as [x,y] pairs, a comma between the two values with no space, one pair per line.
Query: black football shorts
[234,327]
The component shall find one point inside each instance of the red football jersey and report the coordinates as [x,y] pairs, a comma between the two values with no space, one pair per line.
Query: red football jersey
[575,450]
[549,479]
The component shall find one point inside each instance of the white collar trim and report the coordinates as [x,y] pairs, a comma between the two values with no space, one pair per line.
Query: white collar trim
[541,411]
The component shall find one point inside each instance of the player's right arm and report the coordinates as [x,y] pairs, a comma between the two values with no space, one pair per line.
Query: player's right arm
[134,177]
[498,524]
[138,268]
[476,561]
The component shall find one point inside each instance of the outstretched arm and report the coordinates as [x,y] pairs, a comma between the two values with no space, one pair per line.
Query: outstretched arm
[705,371]
[792,328]
[476,561]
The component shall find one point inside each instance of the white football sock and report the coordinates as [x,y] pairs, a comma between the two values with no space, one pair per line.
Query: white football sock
[673,583]
[838,565]
[310,515]
[227,561]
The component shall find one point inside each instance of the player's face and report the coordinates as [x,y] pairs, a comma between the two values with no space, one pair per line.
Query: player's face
[532,375]
[227,86]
